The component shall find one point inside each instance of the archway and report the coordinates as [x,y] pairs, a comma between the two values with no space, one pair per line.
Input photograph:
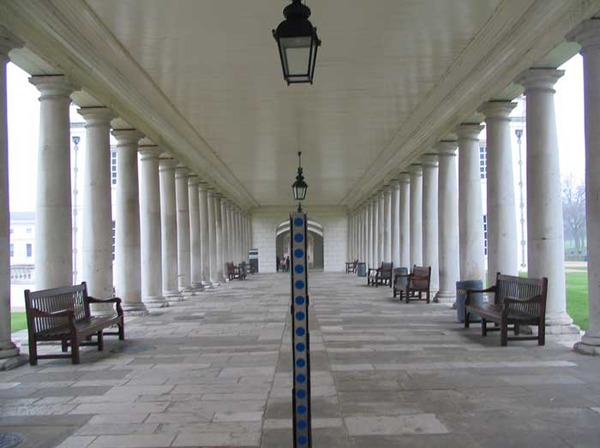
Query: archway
[314,250]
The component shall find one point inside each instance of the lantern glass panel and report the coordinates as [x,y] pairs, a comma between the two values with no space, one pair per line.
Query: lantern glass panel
[297,52]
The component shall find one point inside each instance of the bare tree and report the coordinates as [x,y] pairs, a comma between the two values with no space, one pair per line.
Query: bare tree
[573,202]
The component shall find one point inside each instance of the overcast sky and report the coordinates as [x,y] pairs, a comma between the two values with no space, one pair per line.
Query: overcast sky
[23,126]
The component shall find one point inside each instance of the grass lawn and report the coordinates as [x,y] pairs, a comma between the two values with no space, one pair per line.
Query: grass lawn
[577,298]
[18,321]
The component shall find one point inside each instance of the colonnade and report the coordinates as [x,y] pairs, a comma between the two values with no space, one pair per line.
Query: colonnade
[174,232]
[442,198]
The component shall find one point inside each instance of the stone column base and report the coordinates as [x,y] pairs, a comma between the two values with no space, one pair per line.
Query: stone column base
[448,297]
[588,346]
[135,309]
[155,302]
[173,296]
[561,324]
[13,362]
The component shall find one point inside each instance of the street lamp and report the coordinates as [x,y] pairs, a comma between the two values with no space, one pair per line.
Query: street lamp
[297,43]
[299,187]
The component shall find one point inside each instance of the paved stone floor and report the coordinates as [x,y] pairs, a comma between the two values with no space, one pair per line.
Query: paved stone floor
[215,371]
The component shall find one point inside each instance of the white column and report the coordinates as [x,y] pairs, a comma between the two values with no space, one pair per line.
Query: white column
[381,226]
[96,246]
[430,218]
[226,232]
[220,263]
[184,255]
[152,291]
[396,223]
[416,214]
[128,276]
[212,238]
[501,208]
[53,250]
[204,233]
[405,221]
[168,229]
[373,233]
[588,35]
[387,224]
[545,238]
[195,233]
[470,205]
[8,350]
[448,222]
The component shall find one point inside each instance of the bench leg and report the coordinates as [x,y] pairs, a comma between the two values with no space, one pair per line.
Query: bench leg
[65,345]
[541,334]
[483,327]
[33,359]
[75,350]
[100,341]
[467,318]
[504,334]
[121,327]
[517,329]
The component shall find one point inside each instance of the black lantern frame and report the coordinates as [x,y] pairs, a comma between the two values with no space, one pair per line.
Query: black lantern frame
[299,187]
[297,42]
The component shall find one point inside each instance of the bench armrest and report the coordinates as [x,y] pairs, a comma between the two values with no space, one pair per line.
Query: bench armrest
[116,300]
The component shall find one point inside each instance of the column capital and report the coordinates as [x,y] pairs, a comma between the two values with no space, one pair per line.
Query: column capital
[167,164]
[404,178]
[181,171]
[497,110]
[202,186]
[96,116]
[53,86]
[469,131]
[127,136]
[446,148]
[430,160]
[539,79]
[416,169]
[387,189]
[193,179]
[587,34]
[8,41]
[149,152]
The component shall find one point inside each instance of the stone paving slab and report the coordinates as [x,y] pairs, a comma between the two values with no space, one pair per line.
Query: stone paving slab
[215,371]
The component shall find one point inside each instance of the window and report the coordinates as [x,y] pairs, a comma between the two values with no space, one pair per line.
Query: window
[28,230]
[12,250]
[485,236]
[29,250]
[482,161]
[113,167]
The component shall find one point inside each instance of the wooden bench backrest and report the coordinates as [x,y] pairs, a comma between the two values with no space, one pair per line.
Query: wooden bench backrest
[424,272]
[521,288]
[386,268]
[56,299]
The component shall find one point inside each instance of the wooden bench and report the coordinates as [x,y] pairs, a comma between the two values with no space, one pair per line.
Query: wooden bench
[414,285]
[351,266]
[517,301]
[232,271]
[63,314]
[381,275]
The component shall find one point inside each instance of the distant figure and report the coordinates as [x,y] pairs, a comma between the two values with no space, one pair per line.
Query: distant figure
[287,264]
[277,262]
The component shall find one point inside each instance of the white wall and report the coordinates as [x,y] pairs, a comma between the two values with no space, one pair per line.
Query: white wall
[335,230]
